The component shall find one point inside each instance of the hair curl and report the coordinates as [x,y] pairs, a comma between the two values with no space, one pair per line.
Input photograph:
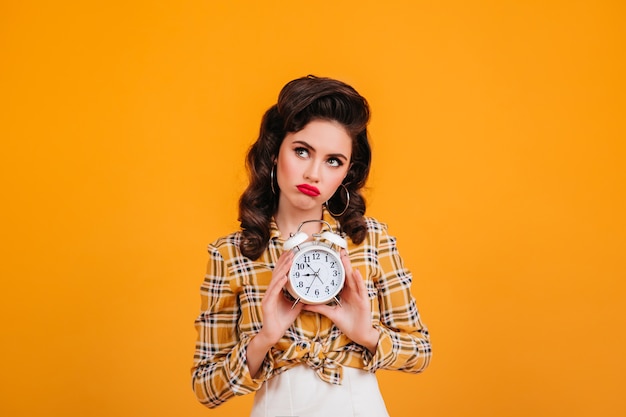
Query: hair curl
[299,102]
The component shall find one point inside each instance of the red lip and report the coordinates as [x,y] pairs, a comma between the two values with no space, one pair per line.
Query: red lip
[308,190]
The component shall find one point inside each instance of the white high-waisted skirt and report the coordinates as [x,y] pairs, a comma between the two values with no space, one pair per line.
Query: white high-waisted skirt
[299,392]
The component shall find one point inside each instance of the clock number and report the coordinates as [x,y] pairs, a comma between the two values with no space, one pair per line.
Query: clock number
[316,275]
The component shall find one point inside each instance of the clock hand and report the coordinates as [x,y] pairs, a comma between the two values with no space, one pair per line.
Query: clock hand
[317,275]
[310,275]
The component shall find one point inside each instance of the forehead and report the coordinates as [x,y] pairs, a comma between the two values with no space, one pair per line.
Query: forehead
[324,136]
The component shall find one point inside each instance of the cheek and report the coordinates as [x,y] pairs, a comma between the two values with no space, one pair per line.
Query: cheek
[285,170]
[336,178]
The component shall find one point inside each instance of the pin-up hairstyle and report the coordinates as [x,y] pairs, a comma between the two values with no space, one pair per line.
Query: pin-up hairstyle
[299,102]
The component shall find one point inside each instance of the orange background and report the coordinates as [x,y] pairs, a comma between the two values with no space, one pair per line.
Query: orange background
[499,148]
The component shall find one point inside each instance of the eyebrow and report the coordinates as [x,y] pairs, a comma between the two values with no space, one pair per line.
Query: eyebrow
[332,155]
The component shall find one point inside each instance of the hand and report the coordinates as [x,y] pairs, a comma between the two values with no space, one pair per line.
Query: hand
[278,313]
[353,317]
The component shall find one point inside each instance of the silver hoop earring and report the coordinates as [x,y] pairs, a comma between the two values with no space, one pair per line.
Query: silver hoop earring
[345,208]
[272,180]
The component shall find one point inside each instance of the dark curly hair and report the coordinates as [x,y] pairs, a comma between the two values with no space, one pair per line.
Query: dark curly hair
[299,102]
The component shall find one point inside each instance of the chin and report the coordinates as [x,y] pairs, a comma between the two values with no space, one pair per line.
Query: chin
[308,206]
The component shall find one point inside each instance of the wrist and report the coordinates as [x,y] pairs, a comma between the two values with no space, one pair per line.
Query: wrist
[256,351]
[263,341]
[370,341]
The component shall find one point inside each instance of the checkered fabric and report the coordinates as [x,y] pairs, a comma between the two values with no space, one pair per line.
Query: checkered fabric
[231,315]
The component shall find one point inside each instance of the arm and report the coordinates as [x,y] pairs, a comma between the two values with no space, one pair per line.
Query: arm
[229,361]
[220,362]
[404,342]
[387,323]
[278,315]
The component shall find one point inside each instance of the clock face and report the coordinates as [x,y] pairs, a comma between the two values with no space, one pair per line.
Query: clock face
[316,275]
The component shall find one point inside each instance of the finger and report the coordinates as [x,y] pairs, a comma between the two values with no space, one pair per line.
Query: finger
[322,309]
[347,266]
[279,275]
[285,259]
[283,264]
[359,283]
[345,260]
[277,283]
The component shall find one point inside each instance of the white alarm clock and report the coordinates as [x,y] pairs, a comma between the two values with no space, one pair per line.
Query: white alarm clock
[317,274]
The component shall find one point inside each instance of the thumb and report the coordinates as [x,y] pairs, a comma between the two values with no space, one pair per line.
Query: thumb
[323,309]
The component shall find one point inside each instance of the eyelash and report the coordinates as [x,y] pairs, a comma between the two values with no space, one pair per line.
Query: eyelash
[300,151]
[338,161]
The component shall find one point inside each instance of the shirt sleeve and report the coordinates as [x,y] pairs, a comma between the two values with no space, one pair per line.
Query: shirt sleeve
[404,342]
[220,368]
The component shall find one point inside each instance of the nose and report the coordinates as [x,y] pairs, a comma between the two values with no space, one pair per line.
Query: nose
[312,172]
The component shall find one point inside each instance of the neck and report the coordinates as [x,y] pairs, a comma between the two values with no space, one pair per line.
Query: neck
[288,222]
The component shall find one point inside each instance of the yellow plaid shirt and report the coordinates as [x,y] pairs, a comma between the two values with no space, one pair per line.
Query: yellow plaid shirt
[231,315]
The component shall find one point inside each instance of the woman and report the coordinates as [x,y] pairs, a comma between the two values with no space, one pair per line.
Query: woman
[310,162]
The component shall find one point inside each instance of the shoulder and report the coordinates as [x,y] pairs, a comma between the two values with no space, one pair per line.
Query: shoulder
[376,230]
[378,233]
[226,246]
[374,225]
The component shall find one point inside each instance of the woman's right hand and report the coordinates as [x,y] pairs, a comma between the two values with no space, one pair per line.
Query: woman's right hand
[278,313]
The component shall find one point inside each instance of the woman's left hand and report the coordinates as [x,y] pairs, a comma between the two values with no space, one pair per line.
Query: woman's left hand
[353,316]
